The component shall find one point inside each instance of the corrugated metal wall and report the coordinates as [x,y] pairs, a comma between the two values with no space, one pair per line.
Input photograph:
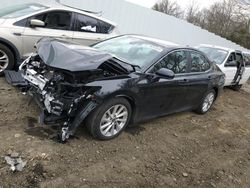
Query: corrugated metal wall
[135,19]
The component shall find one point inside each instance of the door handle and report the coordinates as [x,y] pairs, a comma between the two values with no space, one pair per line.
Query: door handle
[183,81]
[17,34]
[65,36]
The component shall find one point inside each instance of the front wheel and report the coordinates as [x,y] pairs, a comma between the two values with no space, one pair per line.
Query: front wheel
[207,102]
[110,119]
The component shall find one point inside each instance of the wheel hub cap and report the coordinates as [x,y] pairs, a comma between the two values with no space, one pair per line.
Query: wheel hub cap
[208,102]
[113,120]
[4,61]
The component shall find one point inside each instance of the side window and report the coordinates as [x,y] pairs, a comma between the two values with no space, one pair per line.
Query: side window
[105,27]
[91,25]
[232,57]
[55,20]
[199,62]
[175,61]
[21,23]
[247,59]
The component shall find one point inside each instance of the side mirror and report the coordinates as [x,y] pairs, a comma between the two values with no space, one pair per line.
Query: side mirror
[166,73]
[36,23]
[231,64]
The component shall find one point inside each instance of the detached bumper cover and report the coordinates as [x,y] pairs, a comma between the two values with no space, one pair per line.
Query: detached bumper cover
[15,78]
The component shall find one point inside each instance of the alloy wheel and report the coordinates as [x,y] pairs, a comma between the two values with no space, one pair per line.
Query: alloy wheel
[208,101]
[4,61]
[113,120]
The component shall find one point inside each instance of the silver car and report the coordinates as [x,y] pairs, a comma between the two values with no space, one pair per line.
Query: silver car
[21,26]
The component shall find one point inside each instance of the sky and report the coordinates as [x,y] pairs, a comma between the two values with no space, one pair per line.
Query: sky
[183,3]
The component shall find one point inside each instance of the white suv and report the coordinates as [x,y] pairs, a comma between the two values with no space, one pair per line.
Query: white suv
[21,26]
[233,63]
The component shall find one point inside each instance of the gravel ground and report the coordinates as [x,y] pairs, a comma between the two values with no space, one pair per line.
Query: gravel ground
[181,150]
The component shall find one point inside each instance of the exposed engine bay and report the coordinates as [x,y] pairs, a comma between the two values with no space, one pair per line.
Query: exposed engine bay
[62,94]
[58,87]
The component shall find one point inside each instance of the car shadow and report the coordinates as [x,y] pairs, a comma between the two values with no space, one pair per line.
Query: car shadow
[50,131]
[135,130]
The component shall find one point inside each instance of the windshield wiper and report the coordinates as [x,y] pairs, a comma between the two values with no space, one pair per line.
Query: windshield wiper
[123,61]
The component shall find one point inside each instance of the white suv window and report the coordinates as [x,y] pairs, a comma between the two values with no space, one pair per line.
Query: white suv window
[91,25]
[60,20]
[247,59]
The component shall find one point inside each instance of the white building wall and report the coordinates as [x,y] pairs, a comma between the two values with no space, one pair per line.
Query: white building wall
[135,19]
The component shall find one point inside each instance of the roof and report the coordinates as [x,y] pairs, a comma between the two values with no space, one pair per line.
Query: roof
[58,6]
[218,47]
[155,40]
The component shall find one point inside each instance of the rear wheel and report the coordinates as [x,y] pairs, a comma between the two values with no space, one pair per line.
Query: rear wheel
[207,102]
[110,119]
[7,59]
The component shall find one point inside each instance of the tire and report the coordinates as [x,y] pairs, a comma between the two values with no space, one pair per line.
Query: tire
[99,122]
[202,109]
[236,87]
[10,59]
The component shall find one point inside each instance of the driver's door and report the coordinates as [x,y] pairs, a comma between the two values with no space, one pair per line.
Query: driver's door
[57,25]
[166,96]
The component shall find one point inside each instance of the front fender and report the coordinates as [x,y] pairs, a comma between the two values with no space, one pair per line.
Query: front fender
[113,88]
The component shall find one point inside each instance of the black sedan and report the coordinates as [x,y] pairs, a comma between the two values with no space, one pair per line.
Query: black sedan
[120,81]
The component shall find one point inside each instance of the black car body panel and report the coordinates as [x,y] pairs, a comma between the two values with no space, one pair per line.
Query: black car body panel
[69,82]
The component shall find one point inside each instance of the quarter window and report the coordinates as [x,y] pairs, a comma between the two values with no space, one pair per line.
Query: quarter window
[199,63]
[176,61]
[91,25]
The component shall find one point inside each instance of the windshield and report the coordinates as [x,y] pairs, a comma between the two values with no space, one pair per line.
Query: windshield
[131,49]
[214,54]
[20,10]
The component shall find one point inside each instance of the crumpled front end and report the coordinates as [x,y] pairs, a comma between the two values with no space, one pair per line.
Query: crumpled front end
[61,95]
[64,95]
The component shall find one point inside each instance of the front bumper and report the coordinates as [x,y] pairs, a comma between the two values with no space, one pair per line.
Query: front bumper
[15,78]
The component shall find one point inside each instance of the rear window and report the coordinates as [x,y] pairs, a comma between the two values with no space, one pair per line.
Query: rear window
[20,10]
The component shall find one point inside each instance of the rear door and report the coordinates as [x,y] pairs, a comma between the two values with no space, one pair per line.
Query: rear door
[230,71]
[89,30]
[198,78]
[246,74]
[58,25]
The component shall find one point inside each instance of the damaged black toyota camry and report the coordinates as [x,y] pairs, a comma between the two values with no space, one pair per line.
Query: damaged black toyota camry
[120,81]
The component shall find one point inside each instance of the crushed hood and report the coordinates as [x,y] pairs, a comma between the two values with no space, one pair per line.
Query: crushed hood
[71,57]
